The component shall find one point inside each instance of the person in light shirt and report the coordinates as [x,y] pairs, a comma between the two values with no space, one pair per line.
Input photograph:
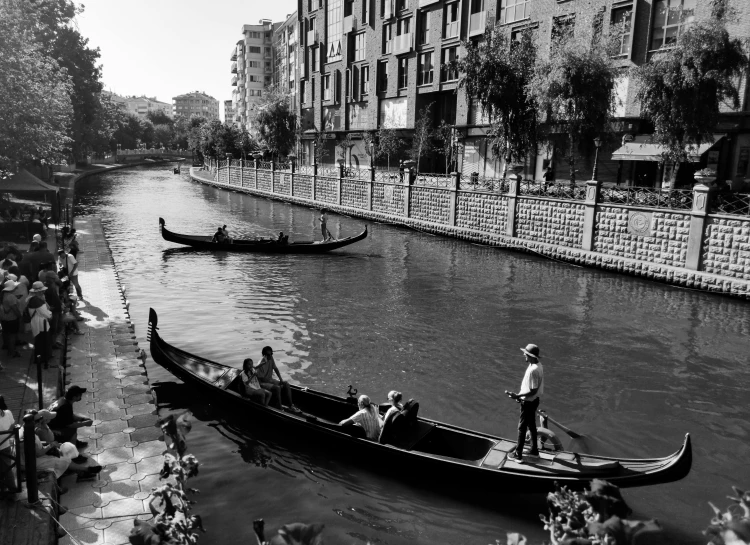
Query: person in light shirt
[532,388]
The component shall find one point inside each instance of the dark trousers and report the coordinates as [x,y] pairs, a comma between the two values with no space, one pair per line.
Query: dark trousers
[527,421]
[42,346]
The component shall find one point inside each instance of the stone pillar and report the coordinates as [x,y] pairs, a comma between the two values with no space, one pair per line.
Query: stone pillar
[698,218]
[407,193]
[370,185]
[453,199]
[339,184]
[593,188]
[273,176]
[291,180]
[256,174]
[313,180]
[242,173]
[514,181]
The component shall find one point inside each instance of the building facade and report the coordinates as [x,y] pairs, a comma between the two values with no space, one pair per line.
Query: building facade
[252,69]
[195,103]
[141,105]
[286,52]
[229,114]
[365,64]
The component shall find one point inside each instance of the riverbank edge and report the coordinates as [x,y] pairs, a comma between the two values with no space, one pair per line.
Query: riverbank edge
[666,274]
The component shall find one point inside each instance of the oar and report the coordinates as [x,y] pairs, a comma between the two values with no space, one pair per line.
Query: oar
[567,430]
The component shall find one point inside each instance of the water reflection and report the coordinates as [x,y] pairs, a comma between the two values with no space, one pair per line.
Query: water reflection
[631,364]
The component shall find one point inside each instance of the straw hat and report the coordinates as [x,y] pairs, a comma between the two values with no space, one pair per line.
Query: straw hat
[38,287]
[531,350]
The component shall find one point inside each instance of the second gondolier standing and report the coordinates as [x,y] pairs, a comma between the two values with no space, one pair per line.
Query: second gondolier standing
[532,388]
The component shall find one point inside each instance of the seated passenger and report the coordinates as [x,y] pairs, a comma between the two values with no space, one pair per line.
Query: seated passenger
[265,369]
[227,238]
[219,236]
[253,389]
[394,398]
[367,417]
[282,238]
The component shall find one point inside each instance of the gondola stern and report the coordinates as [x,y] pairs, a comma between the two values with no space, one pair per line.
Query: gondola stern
[162,223]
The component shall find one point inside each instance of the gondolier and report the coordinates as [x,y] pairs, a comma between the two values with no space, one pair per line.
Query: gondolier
[532,388]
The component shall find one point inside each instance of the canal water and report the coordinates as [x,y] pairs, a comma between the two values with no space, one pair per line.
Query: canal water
[633,365]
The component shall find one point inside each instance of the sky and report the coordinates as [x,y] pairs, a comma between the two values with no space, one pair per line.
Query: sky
[165,48]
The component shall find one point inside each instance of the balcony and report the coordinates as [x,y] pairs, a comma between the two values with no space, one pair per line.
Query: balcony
[477,23]
[312,37]
[425,3]
[350,24]
[234,68]
[234,54]
[234,81]
[451,30]
[403,43]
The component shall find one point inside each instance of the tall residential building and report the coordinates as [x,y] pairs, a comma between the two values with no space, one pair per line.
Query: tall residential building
[141,105]
[195,103]
[285,46]
[228,112]
[366,64]
[252,69]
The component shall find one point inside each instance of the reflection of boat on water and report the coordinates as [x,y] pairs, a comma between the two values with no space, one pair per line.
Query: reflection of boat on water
[430,449]
[271,246]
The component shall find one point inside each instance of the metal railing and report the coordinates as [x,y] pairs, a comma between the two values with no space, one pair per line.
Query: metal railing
[649,197]
[389,175]
[10,460]
[555,190]
[356,173]
[432,180]
[483,184]
[737,204]
[283,166]
[264,165]
[330,172]
[305,169]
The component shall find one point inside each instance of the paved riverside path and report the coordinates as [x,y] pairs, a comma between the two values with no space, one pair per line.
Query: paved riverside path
[123,438]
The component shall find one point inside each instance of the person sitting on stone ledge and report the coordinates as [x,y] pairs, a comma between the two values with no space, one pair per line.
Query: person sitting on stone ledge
[66,423]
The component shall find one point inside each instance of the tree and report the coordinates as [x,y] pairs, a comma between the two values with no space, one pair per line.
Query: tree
[496,75]
[319,146]
[576,85]
[35,94]
[344,146]
[276,122]
[422,139]
[389,144]
[370,139]
[681,91]
[158,117]
[445,134]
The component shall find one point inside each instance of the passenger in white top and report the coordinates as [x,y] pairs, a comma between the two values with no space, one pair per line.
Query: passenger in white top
[532,388]
[368,417]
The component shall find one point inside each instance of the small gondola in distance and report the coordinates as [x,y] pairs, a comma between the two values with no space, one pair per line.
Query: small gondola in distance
[270,246]
[434,450]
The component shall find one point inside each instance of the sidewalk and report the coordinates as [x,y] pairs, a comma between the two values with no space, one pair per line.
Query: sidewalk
[123,438]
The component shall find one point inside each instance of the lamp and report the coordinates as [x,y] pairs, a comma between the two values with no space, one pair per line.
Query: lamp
[598,144]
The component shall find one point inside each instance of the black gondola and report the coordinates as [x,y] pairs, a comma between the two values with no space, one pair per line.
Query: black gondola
[432,449]
[271,246]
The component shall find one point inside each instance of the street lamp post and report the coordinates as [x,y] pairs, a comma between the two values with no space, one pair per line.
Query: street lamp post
[372,154]
[315,153]
[598,144]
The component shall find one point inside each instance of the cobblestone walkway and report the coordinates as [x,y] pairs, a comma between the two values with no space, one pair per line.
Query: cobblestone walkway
[123,438]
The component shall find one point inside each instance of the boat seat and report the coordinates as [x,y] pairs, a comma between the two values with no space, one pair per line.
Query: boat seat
[420,430]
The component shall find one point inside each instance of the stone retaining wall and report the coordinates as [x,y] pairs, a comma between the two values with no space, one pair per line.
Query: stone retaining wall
[689,248]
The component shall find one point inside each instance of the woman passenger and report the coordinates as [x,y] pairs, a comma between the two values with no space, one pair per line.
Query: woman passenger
[367,417]
[253,389]
[394,398]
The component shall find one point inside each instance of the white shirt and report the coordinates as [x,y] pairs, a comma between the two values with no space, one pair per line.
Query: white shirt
[533,378]
[6,423]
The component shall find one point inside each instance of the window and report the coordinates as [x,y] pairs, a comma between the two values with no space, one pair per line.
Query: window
[327,87]
[348,7]
[670,19]
[312,90]
[562,28]
[253,64]
[253,49]
[364,79]
[315,54]
[403,72]
[382,76]
[424,70]
[334,19]
[253,78]
[448,73]
[365,11]
[514,10]
[360,46]
[387,37]
[302,88]
[450,20]
[386,9]
[403,26]
[402,4]
[423,24]
[258,92]
[622,19]
[267,51]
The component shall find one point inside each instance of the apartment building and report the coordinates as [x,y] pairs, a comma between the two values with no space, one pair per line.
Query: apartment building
[252,69]
[195,103]
[141,105]
[364,64]
[285,45]
[229,112]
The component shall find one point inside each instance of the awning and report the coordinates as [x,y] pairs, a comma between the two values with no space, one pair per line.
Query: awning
[641,149]
[25,181]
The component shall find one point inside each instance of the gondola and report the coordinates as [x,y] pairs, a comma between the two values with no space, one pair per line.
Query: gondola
[432,449]
[271,246]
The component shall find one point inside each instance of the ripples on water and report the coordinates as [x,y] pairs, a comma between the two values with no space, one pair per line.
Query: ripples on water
[631,364]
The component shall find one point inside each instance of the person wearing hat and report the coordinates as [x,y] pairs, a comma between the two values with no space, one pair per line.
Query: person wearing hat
[40,318]
[66,422]
[532,388]
[37,238]
[10,314]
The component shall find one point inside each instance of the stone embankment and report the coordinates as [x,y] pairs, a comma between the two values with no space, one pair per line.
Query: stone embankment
[671,237]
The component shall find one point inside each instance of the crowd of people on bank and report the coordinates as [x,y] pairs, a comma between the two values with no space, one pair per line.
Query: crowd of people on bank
[39,294]
[25,213]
